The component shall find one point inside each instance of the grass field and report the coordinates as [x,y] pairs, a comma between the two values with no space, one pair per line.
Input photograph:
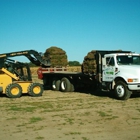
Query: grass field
[69,116]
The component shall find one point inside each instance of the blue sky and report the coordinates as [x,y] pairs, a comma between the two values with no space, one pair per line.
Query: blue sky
[76,26]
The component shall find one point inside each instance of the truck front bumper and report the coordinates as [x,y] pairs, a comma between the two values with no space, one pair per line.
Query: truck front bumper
[134,86]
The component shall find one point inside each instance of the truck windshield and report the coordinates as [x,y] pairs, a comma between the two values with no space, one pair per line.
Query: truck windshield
[128,60]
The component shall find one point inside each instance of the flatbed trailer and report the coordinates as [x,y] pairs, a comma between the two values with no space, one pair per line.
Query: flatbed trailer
[66,81]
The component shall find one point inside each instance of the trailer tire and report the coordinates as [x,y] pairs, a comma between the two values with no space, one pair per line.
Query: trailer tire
[72,88]
[121,91]
[65,85]
[35,89]
[13,90]
[56,85]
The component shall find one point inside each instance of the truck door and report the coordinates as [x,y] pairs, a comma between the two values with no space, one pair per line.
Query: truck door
[108,69]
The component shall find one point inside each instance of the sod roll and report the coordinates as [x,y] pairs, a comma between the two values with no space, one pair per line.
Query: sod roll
[57,56]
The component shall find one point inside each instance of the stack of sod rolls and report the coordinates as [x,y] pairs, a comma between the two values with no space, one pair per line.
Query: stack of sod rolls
[57,56]
[89,63]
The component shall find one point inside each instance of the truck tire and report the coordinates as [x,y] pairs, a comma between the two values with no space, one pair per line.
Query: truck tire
[65,85]
[121,91]
[72,88]
[35,89]
[56,85]
[13,90]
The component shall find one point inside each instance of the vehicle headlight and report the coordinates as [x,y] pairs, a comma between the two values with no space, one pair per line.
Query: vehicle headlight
[130,80]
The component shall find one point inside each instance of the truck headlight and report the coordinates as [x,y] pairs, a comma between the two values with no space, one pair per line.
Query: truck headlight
[130,80]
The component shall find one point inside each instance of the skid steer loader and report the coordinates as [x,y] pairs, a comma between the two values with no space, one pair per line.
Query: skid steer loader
[15,77]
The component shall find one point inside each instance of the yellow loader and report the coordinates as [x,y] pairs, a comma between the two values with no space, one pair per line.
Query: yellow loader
[15,77]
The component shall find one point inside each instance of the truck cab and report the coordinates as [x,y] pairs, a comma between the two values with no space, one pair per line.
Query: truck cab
[121,72]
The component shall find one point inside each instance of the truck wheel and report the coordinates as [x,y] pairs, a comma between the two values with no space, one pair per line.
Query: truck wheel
[121,91]
[65,85]
[72,88]
[13,90]
[56,85]
[35,89]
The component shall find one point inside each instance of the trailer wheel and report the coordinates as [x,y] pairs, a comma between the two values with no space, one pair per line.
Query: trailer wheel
[121,91]
[72,88]
[13,90]
[65,85]
[35,89]
[56,85]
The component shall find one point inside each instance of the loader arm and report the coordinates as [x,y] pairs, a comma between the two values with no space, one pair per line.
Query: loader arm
[34,56]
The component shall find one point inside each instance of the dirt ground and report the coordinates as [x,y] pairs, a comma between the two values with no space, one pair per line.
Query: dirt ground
[69,116]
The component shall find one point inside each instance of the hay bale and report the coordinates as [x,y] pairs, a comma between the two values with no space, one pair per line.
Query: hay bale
[90,56]
[57,56]
[89,63]
[54,50]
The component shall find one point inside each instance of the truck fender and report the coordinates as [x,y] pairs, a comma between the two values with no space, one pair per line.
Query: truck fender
[112,85]
[116,80]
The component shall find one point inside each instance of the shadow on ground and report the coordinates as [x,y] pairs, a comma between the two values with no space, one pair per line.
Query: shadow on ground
[5,96]
[104,93]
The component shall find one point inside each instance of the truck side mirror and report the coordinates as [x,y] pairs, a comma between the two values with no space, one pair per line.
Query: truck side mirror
[104,61]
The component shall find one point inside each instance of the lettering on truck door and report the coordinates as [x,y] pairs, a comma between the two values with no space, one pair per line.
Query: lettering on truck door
[109,69]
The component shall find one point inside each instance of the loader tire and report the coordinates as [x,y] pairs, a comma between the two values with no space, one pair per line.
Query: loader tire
[56,85]
[35,89]
[13,90]
[65,85]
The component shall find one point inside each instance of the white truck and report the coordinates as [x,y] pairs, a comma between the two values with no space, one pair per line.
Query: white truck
[122,72]
[117,71]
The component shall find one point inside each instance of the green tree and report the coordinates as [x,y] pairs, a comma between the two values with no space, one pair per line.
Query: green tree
[74,63]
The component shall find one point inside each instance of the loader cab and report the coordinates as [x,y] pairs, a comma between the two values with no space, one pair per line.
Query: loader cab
[2,62]
[21,70]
